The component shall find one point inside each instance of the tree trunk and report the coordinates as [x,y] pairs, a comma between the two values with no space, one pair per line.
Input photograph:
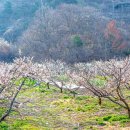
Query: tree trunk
[61,90]
[48,86]
[99,101]
[12,102]
[128,112]
[74,95]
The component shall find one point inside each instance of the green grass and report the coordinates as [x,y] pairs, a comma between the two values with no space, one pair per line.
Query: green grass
[48,109]
[4,126]
[99,81]
[113,119]
[2,110]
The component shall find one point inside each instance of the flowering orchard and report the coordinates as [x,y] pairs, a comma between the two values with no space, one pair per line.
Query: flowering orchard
[109,80]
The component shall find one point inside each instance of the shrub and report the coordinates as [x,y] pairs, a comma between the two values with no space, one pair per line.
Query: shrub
[127,53]
[77,41]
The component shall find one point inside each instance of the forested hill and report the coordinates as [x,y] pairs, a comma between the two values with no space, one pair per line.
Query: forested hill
[42,28]
[15,16]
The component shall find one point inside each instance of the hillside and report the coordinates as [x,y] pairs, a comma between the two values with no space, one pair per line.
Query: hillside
[57,96]
[15,17]
[58,111]
[64,64]
[78,29]
[20,13]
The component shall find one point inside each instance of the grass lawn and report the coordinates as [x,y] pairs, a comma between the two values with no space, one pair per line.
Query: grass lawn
[48,109]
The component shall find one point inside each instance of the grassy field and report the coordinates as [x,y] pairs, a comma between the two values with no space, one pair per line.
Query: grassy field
[48,109]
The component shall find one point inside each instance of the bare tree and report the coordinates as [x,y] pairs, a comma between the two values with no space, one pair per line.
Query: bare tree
[116,77]
[51,35]
[12,79]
